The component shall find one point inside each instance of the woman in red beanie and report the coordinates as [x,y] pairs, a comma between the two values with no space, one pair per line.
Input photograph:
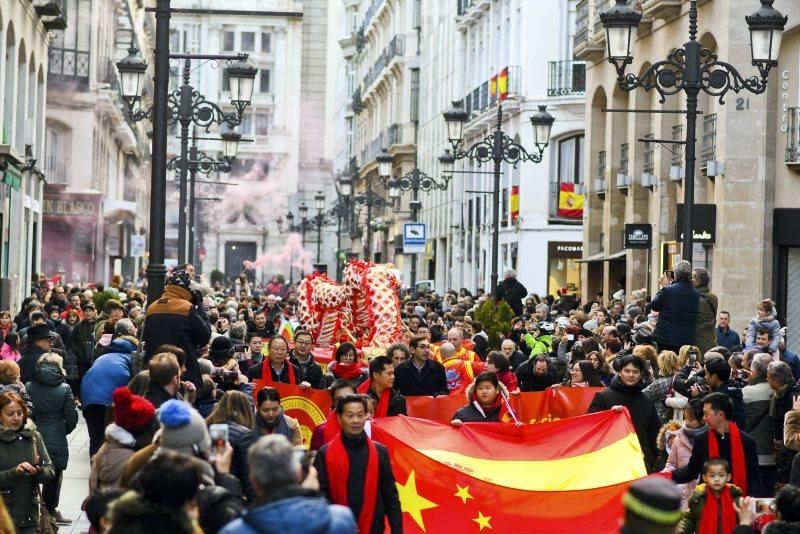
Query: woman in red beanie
[131,430]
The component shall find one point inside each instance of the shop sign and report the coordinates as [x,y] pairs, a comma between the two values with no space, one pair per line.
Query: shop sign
[704,223]
[79,208]
[137,246]
[565,249]
[638,236]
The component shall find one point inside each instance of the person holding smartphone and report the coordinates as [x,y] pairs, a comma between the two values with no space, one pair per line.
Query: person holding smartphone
[677,303]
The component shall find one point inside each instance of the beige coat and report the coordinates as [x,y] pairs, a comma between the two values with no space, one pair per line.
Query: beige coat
[791,430]
[110,460]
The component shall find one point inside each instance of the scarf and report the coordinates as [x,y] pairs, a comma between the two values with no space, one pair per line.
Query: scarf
[350,371]
[382,408]
[337,464]
[332,427]
[692,432]
[738,466]
[266,367]
[279,426]
[710,517]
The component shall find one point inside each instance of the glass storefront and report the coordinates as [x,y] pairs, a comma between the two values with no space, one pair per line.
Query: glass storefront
[563,269]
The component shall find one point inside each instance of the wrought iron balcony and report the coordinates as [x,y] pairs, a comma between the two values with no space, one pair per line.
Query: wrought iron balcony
[566,77]
[395,48]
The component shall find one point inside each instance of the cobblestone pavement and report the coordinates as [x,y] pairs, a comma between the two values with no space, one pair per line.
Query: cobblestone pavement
[75,486]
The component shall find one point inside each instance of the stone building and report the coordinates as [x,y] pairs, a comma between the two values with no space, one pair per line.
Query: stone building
[746,186]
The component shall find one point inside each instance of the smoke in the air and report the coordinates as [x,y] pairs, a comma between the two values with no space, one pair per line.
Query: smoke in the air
[291,253]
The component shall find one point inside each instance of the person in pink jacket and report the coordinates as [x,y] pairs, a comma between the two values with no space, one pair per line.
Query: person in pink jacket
[10,348]
[681,449]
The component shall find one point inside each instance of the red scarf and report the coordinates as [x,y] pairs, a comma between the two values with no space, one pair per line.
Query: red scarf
[332,427]
[266,367]
[382,409]
[738,467]
[350,371]
[337,464]
[709,519]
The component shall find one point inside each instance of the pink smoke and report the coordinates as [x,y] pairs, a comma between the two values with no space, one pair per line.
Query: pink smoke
[259,194]
[292,252]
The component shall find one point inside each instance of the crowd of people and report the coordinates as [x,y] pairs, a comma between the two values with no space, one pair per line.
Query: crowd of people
[179,437]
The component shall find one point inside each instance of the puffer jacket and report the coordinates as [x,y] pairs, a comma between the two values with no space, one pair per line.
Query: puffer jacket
[19,491]
[56,413]
[679,456]
[758,422]
[109,372]
[677,307]
[470,413]
[109,461]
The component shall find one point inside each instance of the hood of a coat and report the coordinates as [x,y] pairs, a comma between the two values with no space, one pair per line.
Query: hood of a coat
[296,514]
[48,374]
[122,345]
[6,434]
[471,389]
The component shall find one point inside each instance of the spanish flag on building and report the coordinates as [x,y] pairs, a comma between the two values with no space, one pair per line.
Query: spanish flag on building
[570,203]
[567,476]
[502,83]
[514,203]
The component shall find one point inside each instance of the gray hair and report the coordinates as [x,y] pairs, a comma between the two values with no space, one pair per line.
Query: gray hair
[683,270]
[760,363]
[237,330]
[781,372]
[447,350]
[702,276]
[51,358]
[543,307]
[273,464]
[124,327]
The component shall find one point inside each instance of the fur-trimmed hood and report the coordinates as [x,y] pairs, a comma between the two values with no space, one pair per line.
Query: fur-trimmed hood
[471,388]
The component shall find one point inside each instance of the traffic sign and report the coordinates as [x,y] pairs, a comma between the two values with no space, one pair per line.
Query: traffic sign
[137,246]
[414,237]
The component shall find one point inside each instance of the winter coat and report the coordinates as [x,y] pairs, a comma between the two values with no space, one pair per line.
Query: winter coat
[757,421]
[529,381]
[56,413]
[705,334]
[27,363]
[310,372]
[109,372]
[657,392]
[19,491]
[7,353]
[109,461]
[791,430]
[513,292]
[294,509]
[83,340]
[697,502]
[397,402]
[175,320]
[643,414]
[728,338]
[473,413]
[679,455]
[767,323]
[780,405]
[240,437]
[431,380]
[676,305]
[733,390]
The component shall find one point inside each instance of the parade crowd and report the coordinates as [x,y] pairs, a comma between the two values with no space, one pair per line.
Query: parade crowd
[180,443]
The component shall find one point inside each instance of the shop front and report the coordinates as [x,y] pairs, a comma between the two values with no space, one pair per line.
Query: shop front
[786,268]
[71,222]
[563,268]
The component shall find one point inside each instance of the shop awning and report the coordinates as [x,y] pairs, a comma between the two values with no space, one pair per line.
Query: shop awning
[118,210]
[616,256]
[602,257]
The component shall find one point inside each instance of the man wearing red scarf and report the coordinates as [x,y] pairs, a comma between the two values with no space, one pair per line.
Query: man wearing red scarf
[355,471]
[380,386]
[276,367]
[723,439]
[330,428]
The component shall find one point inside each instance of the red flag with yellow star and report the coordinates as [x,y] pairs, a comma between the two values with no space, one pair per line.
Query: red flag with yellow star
[565,476]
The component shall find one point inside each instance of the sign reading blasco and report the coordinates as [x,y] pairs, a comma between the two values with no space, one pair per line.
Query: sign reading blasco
[704,223]
[638,235]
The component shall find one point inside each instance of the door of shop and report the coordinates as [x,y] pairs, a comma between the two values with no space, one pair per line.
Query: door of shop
[236,253]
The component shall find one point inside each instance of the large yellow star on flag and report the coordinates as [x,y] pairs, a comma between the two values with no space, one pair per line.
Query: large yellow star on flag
[463,493]
[412,502]
[483,521]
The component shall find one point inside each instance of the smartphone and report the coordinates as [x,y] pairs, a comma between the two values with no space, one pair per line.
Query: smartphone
[762,505]
[303,456]
[692,358]
[669,275]
[219,437]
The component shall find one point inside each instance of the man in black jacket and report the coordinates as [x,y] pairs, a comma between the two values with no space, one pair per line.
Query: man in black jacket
[676,304]
[39,341]
[352,413]
[178,318]
[311,375]
[381,384]
[165,380]
[718,378]
[717,411]
[420,375]
[280,368]
[536,374]
[512,291]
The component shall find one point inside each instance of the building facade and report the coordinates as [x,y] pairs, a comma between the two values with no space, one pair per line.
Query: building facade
[282,163]
[24,38]
[745,184]
[95,160]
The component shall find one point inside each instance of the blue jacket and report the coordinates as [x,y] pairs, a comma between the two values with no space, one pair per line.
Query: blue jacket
[301,513]
[676,305]
[108,372]
[728,338]
[792,361]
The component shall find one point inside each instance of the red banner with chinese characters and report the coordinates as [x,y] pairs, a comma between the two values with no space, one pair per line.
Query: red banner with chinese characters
[504,478]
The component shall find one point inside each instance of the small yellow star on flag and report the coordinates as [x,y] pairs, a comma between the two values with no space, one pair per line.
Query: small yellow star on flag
[412,502]
[463,493]
[483,521]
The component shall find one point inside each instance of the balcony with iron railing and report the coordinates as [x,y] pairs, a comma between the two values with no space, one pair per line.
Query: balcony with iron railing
[586,44]
[369,14]
[709,150]
[388,137]
[395,48]
[792,155]
[662,9]
[69,65]
[481,97]
[567,77]
[52,12]
[56,169]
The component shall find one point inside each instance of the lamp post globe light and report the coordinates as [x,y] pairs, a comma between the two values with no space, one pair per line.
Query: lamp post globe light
[693,69]
[132,69]
[497,147]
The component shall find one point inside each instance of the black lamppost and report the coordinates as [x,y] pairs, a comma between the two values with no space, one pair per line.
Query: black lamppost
[692,69]
[319,203]
[414,181]
[303,209]
[496,147]
[185,105]
[369,199]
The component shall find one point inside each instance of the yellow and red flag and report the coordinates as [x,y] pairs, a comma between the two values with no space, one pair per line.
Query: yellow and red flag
[570,203]
[552,477]
[493,87]
[514,203]
[502,83]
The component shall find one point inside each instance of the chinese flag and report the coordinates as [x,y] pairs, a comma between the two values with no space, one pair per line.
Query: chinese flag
[502,478]
[493,86]
[502,83]
[514,202]
[570,203]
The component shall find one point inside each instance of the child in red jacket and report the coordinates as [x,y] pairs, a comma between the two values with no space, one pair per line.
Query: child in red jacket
[497,363]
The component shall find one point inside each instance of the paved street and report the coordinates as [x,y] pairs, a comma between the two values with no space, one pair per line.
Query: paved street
[76,486]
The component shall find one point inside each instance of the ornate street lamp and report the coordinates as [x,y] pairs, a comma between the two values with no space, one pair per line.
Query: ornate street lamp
[132,70]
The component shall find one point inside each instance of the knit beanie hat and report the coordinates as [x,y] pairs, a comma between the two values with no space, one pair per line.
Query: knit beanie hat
[183,428]
[132,412]
[655,500]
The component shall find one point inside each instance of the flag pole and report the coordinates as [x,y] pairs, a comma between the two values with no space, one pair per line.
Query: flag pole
[510,410]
